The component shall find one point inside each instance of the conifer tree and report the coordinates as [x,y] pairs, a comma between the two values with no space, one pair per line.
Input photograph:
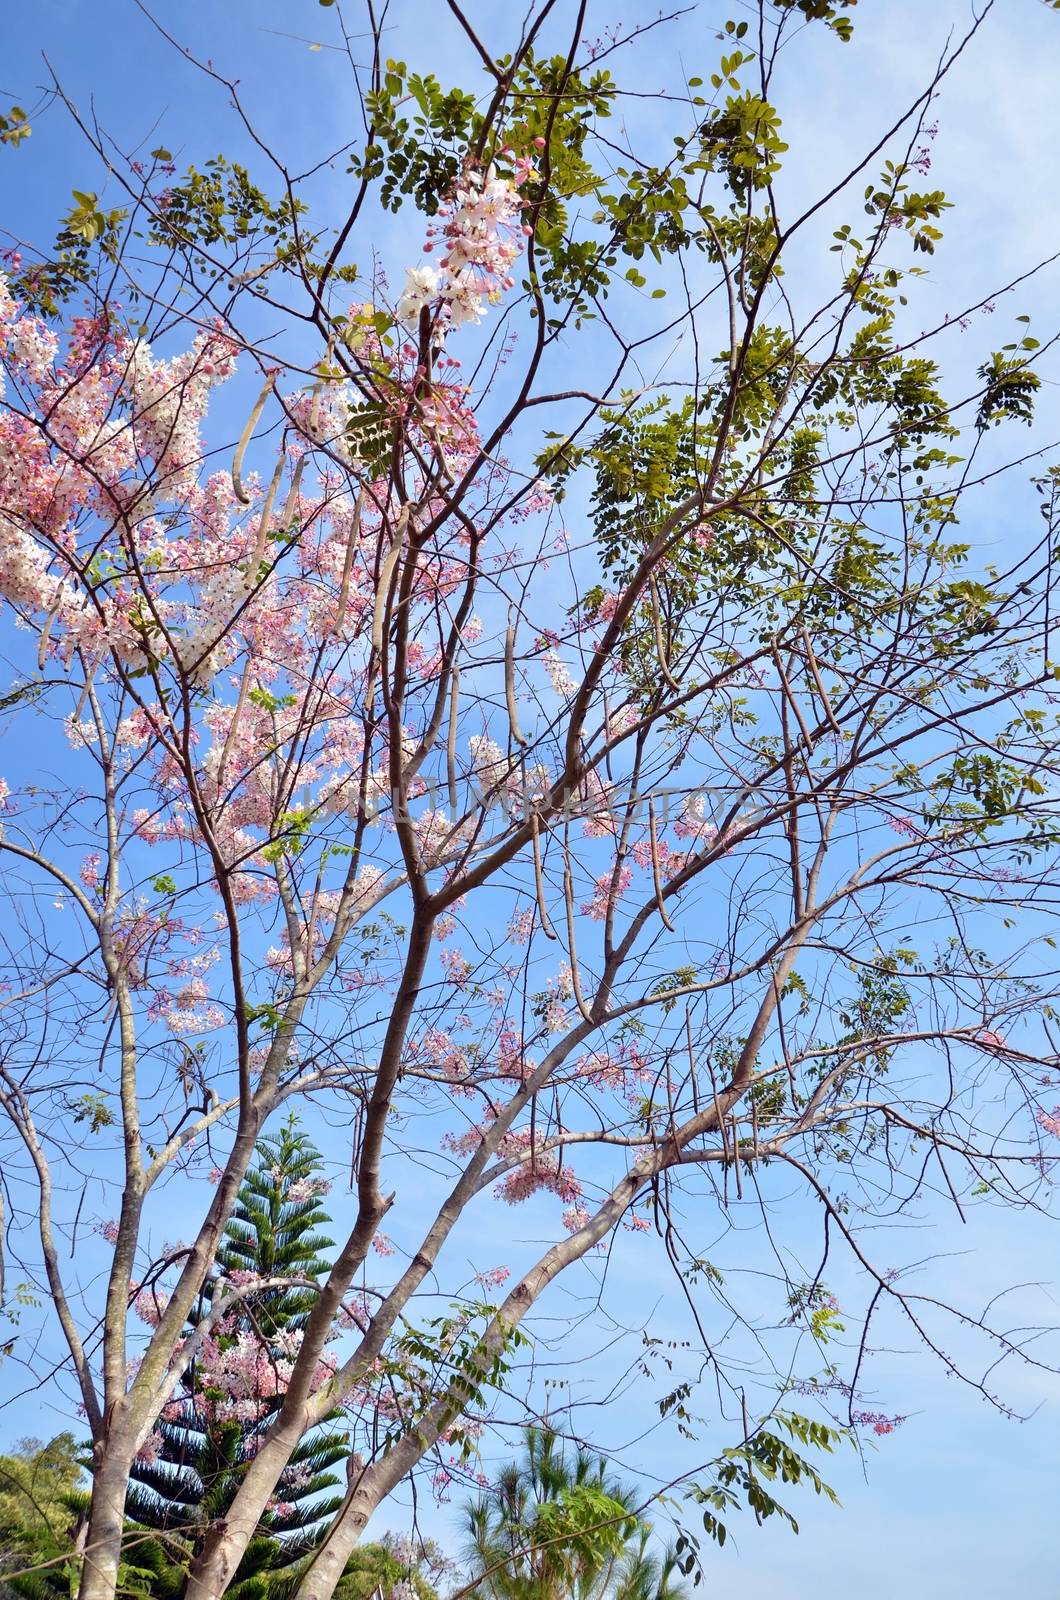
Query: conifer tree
[193,1463]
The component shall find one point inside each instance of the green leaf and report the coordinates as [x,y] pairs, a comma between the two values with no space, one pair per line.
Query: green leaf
[14,127]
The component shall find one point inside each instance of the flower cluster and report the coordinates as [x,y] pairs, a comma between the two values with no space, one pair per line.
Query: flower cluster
[242,1372]
[876,1420]
[481,233]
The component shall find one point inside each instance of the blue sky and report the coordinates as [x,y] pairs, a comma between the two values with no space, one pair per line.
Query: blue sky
[959,1501]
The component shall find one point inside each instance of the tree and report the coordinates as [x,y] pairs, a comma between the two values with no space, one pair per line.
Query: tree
[42,1505]
[558,1526]
[395,1568]
[635,791]
[191,1466]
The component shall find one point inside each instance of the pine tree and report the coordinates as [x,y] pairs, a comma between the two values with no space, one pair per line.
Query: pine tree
[193,1465]
[201,1446]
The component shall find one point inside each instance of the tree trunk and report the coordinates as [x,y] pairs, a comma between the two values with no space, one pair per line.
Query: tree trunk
[329,1563]
[226,1541]
[106,1520]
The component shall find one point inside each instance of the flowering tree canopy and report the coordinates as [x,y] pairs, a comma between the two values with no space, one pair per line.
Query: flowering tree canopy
[528,702]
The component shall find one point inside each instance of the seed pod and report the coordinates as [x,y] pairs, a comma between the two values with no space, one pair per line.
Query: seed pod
[509,682]
[244,439]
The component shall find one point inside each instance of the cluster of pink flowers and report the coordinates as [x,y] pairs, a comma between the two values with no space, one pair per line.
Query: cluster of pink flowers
[190,1011]
[535,1172]
[481,231]
[438,1051]
[493,1277]
[151,1449]
[907,828]
[439,841]
[90,870]
[511,1059]
[457,968]
[598,809]
[168,402]
[149,1304]
[693,822]
[493,770]
[559,675]
[303,1189]
[555,1000]
[609,887]
[623,1069]
[112,409]
[876,1420]
[242,1372]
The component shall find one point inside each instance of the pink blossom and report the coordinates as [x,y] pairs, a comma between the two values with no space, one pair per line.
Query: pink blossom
[991,1040]
[457,968]
[609,886]
[877,1421]
[149,1304]
[493,1277]
[151,1448]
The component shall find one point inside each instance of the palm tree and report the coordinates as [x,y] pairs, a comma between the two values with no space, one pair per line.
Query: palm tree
[559,1526]
[646,1574]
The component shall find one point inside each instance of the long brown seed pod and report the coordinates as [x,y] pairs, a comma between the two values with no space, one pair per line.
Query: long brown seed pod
[789,694]
[264,519]
[660,647]
[86,690]
[318,388]
[656,874]
[292,494]
[347,565]
[237,713]
[386,572]
[819,681]
[539,879]
[45,633]
[691,1063]
[718,1111]
[509,682]
[568,897]
[244,439]
[450,749]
